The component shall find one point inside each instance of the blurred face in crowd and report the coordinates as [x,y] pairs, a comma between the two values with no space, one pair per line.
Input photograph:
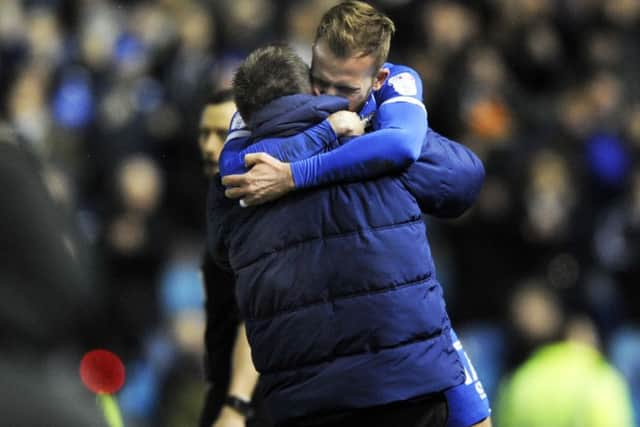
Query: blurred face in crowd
[536,312]
[352,78]
[448,26]
[140,183]
[214,123]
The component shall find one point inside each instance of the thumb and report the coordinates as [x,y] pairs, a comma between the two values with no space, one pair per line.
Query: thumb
[253,158]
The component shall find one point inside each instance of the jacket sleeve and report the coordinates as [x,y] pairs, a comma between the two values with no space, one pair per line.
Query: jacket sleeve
[218,209]
[222,320]
[222,314]
[446,179]
[316,139]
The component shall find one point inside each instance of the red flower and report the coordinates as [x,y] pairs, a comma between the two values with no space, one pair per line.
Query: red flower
[102,371]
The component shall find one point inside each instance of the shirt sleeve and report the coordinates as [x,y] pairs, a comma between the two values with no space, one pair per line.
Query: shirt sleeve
[400,125]
[221,310]
[218,208]
[222,320]
[402,82]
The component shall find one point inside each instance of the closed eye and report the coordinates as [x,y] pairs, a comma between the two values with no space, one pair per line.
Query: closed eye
[340,89]
[347,90]
[319,82]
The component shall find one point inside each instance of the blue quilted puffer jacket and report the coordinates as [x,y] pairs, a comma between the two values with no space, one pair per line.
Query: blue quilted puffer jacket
[337,285]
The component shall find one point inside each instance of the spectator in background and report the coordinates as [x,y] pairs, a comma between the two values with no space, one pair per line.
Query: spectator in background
[563,385]
[175,352]
[535,317]
[134,249]
[563,379]
[616,248]
[301,21]
[214,124]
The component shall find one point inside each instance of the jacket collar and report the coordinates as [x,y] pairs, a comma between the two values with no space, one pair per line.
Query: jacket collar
[292,114]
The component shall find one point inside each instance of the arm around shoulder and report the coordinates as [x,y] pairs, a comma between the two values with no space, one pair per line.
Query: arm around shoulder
[446,179]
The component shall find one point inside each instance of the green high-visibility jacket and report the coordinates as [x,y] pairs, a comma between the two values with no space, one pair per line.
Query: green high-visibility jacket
[565,384]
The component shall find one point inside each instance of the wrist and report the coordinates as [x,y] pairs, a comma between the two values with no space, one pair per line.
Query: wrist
[334,128]
[291,185]
[333,124]
[302,171]
[238,406]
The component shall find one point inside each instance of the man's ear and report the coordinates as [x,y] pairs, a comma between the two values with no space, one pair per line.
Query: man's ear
[381,76]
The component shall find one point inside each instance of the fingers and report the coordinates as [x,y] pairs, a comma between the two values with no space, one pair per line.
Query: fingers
[234,180]
[245,196]
[253,158]
[235,192]
[363,126]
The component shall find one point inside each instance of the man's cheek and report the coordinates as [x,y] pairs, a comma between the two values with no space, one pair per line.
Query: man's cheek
[355,103]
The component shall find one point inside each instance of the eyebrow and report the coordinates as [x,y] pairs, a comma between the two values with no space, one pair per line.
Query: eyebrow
[323,82]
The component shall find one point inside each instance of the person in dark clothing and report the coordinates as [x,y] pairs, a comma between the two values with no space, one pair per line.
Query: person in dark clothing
[349,60]
[339,343]
[48,306]
[232,396]
[214,123]
[226,346]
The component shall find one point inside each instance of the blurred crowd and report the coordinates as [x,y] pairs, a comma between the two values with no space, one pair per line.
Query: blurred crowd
[107,94]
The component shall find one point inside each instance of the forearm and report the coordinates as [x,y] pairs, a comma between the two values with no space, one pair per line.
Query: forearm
[363,158]
[243,379]
[243,374]
[393,147]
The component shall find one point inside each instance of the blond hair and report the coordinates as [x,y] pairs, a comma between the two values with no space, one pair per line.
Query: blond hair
[355,28]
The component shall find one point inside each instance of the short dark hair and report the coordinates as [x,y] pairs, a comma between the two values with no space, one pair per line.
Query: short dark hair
[268,73]
[219,96]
